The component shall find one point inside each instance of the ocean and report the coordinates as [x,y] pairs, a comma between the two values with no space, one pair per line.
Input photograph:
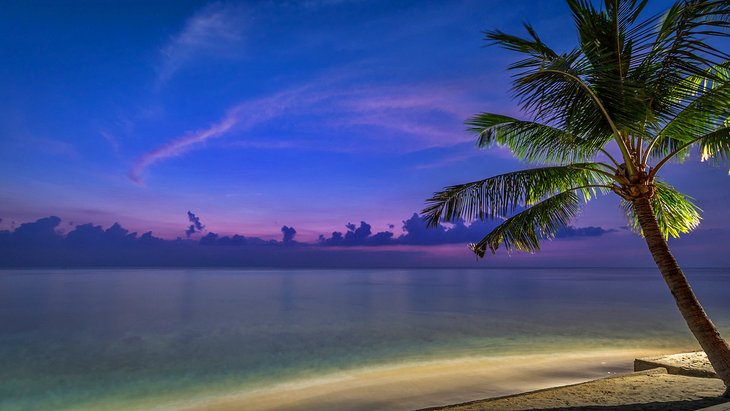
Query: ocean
[138,338]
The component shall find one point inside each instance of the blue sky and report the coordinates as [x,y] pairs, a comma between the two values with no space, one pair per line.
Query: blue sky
[254,115]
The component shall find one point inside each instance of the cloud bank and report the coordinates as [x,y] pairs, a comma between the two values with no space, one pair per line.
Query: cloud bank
[417,232]
[41,244]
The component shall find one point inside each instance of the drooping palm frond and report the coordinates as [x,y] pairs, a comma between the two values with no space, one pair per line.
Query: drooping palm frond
[702,116]
[715,146]
[713,78]
[500,195]
[523,231]
[707,112]
[674,211]
[533,142]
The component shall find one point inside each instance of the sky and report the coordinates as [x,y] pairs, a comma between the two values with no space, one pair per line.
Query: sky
[255,115]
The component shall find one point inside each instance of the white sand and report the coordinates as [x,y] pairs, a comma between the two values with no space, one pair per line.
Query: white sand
[652,390]
[423,385]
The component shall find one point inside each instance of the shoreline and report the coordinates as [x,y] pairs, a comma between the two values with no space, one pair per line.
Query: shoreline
[427,384]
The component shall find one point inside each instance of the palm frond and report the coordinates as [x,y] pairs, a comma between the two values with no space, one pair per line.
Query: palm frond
[608,48]
[523,231]
[682,49]
[533,46]
[550,85]
[715,146]
[675,212]
[531,141]
[700,117]
[713,78]
[501,195]
[556,92]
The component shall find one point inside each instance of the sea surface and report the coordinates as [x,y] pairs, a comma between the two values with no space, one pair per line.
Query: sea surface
[135,338]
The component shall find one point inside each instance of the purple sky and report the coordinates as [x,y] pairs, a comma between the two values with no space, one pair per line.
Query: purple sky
[256,115]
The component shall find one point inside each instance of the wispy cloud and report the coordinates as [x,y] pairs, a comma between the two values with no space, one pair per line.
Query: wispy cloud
[242,116]
[181,145]
[112,140]
[415,116]
[215,31]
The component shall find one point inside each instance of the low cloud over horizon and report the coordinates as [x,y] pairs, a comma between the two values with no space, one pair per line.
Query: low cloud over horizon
[40,243]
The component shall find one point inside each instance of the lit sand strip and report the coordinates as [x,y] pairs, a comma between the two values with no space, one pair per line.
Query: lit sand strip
[430,384]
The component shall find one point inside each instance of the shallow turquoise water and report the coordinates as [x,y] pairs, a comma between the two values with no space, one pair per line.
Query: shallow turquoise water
[70,338]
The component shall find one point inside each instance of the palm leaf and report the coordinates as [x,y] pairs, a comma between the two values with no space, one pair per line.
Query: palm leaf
[608,49]
[531,141]
[715,146]
[500,195]
[675,212]
[703,116]
[550,85]
[532,46]
[681,49]
[523,231]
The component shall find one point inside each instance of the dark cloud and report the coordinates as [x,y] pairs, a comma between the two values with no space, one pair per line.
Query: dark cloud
[590,231]
[236,240]
[357,235]
[86,234]
[41,244]
[196,225]
[417,232]
[116,235]
[41,231]
[148,239]
[209,239]
[289,233]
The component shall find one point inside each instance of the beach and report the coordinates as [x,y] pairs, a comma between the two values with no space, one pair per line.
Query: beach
[678,382]
[652,390]
[555,382]
[429,384]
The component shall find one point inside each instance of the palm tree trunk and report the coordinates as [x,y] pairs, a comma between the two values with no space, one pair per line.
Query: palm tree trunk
[717,349]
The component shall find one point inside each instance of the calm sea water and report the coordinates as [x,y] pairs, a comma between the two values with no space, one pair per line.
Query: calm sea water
[71,339]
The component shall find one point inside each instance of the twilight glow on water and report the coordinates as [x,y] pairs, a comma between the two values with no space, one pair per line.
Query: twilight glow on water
[70,339]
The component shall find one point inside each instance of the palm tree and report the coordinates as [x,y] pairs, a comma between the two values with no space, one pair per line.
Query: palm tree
[607,117]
